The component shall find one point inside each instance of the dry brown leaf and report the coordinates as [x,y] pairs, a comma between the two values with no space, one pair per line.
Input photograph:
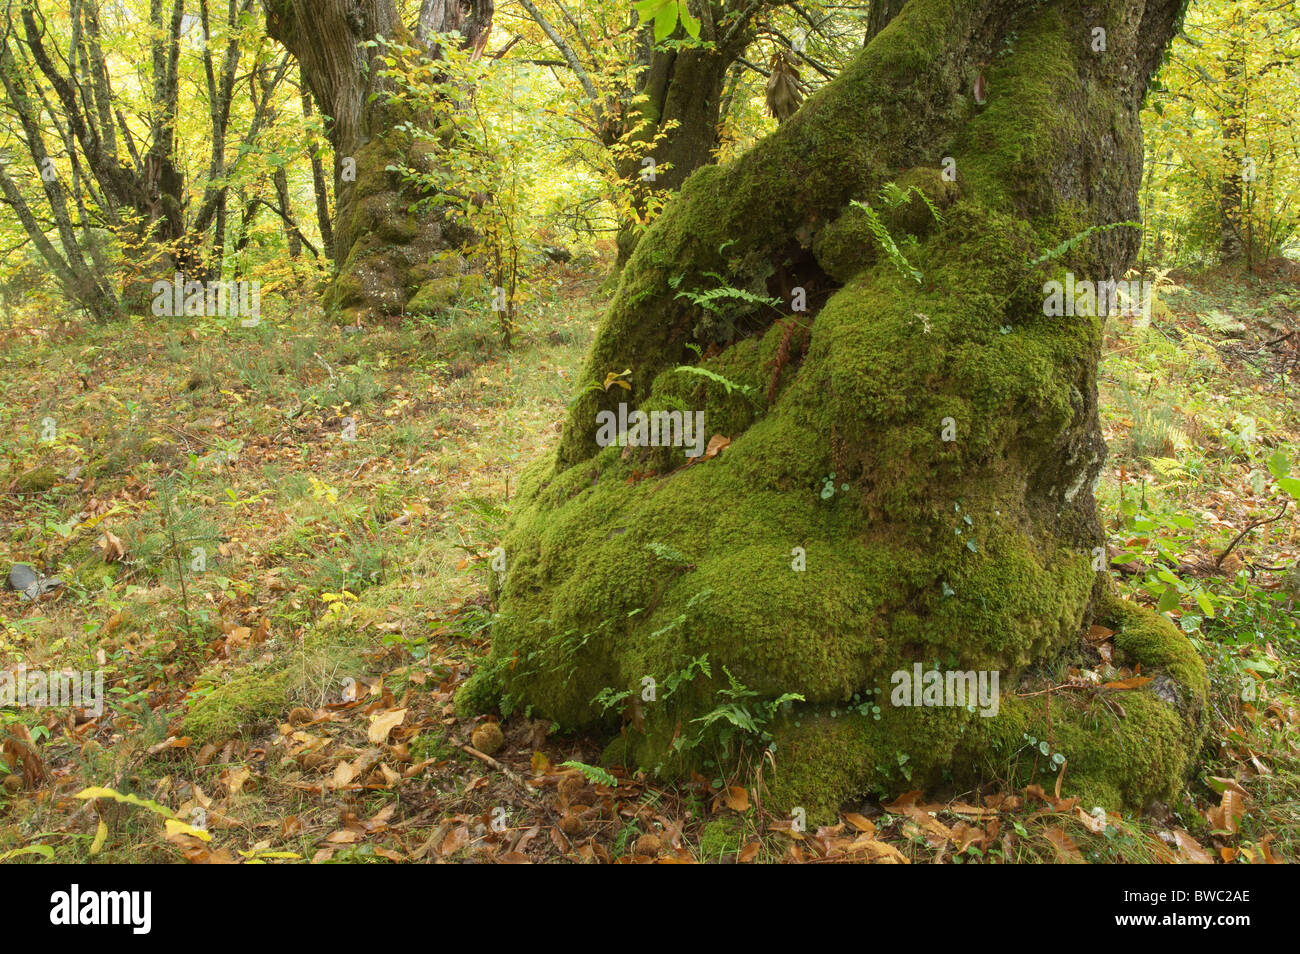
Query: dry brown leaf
[1063,844]
[1191,849]
[878,851]
[111,547]
[1130,683]
[736,798]
[382,724]
[1223,817]
[860,823]
[717,444]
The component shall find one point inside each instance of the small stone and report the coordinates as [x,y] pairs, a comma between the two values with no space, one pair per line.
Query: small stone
[22,576]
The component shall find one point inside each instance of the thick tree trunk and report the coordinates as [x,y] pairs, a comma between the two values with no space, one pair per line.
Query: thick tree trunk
[911,459]
[385,253]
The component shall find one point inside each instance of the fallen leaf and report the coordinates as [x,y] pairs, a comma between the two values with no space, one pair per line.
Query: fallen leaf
[381,725]
[1064,844]
[1191,849]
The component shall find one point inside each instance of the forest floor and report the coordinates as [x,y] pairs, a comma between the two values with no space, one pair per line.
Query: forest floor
[274,543]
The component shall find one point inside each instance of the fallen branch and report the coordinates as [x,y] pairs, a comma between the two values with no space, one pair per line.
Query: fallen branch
[1254,526]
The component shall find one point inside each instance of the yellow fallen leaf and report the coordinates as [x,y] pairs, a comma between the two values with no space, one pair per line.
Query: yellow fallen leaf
[175,827]
[383,723]
[101,833]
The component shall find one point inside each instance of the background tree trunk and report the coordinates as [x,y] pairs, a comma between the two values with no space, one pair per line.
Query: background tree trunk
[882,11]
[683,90]
[911,460]
[384,252]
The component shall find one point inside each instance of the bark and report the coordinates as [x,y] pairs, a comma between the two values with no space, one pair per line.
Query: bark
[319,189]
[882,11]
[383,251]
[922,440]
[683,90]
[1232,120]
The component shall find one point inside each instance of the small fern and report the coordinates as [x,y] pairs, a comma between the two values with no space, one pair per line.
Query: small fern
[714,299]
[593,773]
[1074,240]
[881,232]
[892,195]
[716,378]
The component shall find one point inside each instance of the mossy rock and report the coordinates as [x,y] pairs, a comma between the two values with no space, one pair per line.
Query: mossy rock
[242,705]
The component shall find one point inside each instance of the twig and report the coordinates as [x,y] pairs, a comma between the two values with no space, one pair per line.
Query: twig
[1254,526]
[326,365]
[187,436]
[489,760]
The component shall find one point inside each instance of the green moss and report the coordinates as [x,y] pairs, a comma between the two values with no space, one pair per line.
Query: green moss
[959,424]
[720,837]
[847,245]
[37,480]
[244,704]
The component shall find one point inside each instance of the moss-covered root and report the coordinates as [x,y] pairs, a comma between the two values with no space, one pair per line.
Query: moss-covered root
[1122,748]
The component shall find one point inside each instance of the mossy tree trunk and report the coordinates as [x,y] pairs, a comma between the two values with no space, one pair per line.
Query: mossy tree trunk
[910,472]
[384,253]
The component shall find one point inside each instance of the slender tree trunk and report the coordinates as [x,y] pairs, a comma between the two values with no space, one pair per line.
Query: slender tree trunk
[894,465]
[384,252]
[1232,121]
[319,189]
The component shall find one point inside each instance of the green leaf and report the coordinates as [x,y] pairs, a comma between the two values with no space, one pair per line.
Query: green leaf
[1291,485]
[1279,465]
[1203,601]
[45,851]
[665,22]
[691,23]
[1168,600]
[100,792]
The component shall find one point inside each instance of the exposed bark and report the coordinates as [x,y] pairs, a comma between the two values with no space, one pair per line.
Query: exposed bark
[1232,122]
[382,250]
[882,11]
